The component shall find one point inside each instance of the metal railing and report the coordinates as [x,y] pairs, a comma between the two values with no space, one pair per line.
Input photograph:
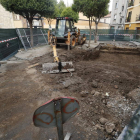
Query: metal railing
[138,18]
[131,4]
[128,19]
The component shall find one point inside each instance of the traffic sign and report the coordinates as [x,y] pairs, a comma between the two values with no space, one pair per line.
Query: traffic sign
[55,113]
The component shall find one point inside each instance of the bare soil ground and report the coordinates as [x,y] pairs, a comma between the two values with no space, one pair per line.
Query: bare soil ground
[101,83]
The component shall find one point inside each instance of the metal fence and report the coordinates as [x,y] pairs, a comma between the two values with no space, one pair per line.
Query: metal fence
[132,130]
[9,43]
[13,39]
[111,34]
[40,36]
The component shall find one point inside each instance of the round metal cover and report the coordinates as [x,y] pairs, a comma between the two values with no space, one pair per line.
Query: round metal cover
[44,116]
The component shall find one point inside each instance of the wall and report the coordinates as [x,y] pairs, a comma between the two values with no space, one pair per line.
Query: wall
[6,18]
[133,24]
[106,20]
[83,23]
[116,11]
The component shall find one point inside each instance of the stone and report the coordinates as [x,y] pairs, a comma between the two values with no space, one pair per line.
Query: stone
[90,103]
[116,87]
[104,101]
[103,120]
[102,111]
[96,107]
[109,127]
[94,84]
[84,93]
[98,126]
[97,93]
[135,95]
[93,92]
[72,81]
[85,47]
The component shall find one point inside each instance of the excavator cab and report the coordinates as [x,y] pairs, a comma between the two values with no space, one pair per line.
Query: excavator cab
[66,34]
[63,25]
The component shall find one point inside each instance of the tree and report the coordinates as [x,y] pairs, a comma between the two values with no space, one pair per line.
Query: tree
[101,10]
[61,6]
[28,9]
[68,12]
[94,10]
[53,15]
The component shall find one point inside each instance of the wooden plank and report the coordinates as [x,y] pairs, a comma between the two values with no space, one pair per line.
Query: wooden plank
[68,136]
[31,66]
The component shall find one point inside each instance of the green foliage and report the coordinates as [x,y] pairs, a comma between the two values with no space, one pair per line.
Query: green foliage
[61,6]
[91,8]
[68,12]
[28,8]
[54,12]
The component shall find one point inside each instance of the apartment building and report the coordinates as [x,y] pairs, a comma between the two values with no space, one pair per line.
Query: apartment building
[6,18]
[106,19]
[11,20]
[133,15]
[119,13]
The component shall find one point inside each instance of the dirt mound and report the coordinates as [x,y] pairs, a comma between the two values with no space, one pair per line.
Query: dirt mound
[80,55]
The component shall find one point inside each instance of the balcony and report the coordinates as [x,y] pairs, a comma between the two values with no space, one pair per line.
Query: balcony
[131,4]
[128,19]
[138,18]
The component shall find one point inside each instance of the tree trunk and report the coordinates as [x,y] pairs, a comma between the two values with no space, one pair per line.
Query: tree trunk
[31,32]
[49,22]
[90,23]
[96,32]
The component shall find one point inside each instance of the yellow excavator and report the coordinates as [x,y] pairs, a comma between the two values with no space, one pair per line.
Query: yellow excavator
[65,34]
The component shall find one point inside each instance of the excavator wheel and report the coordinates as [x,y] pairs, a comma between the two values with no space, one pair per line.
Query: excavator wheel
[80,40]
[84,37]
[72,41]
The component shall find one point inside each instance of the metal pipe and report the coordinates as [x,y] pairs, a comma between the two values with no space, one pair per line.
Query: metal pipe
[58,117]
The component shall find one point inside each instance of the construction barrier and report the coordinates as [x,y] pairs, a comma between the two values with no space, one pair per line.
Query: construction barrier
[9,43]
[111,34]
[40,36]
[13,39]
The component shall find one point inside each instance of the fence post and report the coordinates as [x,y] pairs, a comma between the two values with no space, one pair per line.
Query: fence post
[115,35]
[43,36]
[19,34]
[27,38]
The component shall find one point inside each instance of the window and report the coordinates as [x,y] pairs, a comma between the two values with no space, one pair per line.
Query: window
[115,17]
[129,16]
[60,27]
[16,17]
[127,28]
[116,5]
[104,20]
[112,27]
[120,20]
[122,8]
[67,25]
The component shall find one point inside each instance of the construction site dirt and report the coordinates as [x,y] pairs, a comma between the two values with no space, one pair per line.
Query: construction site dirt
[106,84]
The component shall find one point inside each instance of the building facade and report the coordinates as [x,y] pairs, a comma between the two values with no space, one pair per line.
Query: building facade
[83,23]
[119,13]
[6,18]
[106,19]
[133,15]
[11,20]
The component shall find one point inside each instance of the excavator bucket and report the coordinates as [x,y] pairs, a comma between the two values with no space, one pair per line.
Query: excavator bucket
[58,67]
